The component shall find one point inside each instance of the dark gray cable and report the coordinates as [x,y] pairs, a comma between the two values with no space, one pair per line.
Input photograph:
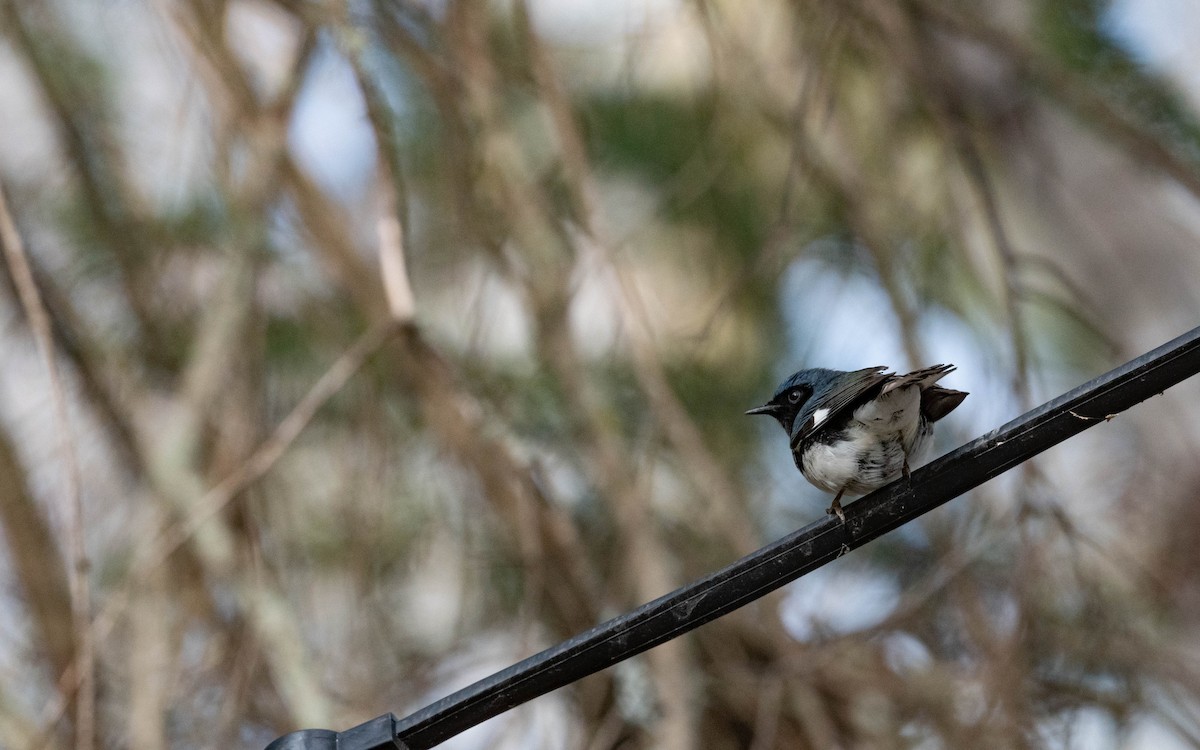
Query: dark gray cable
[789,558]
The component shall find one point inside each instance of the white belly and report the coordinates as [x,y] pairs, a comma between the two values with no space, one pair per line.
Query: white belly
[872,449]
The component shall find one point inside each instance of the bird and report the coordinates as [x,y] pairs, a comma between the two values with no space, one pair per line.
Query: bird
[857,431]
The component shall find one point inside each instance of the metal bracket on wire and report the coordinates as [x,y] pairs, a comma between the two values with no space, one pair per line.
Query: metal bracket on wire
[779,563]
[377,734]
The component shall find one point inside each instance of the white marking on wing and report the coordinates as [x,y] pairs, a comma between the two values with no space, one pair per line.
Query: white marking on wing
[819,416]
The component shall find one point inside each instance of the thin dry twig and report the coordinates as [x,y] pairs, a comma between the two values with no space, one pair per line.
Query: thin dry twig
[949,116]
[39,322]
[679,427]
[252,469]
[262,459]
[544,537]
[1069,89]
[393,269]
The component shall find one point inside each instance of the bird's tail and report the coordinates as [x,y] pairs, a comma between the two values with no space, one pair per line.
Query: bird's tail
[937,402]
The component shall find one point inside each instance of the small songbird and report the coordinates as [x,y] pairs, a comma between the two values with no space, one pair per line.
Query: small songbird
[856,431]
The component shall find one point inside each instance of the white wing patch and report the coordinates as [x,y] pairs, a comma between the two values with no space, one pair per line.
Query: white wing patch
[819,416]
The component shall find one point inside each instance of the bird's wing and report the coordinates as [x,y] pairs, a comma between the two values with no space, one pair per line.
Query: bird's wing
[839,394]
[924,378]
[936,401]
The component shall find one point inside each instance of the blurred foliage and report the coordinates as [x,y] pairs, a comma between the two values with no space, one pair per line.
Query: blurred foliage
[1076,32]
[306,505]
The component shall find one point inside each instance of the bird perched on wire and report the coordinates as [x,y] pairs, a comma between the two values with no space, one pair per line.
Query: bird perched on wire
[856,431]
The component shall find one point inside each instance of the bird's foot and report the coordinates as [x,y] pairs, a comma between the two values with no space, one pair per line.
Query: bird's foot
[835,509]
[907,471]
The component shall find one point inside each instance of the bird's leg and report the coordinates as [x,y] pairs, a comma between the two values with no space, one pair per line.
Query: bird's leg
[907,471]
[836,508]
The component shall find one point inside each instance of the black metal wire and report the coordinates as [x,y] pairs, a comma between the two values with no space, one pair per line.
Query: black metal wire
[803,551]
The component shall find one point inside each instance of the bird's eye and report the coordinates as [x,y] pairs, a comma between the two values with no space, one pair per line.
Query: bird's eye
[795,396]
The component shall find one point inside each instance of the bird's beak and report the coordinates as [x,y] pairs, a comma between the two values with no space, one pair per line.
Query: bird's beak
[764,409]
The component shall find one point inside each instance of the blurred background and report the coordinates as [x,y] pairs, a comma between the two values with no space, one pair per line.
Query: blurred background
[351,350]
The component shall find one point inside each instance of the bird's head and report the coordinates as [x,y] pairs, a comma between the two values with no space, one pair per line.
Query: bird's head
[794,394]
